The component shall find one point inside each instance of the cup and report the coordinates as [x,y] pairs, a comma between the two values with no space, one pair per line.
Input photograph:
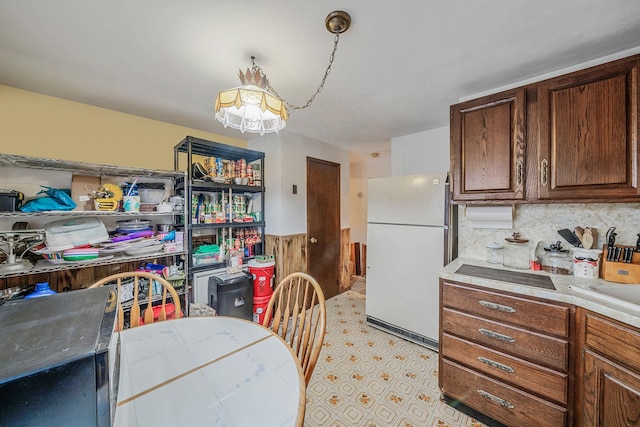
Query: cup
[131,203]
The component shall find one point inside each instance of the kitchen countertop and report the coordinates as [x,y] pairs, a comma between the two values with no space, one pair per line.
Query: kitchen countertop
[562,293]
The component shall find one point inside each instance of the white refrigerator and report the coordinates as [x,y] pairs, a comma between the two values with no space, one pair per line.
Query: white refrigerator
[409,239]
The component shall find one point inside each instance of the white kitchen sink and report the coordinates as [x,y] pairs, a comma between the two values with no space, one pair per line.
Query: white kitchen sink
[620,294]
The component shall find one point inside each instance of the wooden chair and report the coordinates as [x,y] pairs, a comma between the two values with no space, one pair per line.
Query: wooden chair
[299,317]
[134,314]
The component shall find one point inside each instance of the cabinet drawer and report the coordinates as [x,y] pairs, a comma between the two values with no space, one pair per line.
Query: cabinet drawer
[539,380]
[544,350]
[617,342]
[534,315]
[497,400]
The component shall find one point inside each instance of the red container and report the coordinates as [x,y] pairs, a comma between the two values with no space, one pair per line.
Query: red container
[170,309]
[262,278]
[260,308]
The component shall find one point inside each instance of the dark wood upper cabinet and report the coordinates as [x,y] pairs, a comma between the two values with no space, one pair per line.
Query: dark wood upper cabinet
[487,147]
[588,132]
[572,138]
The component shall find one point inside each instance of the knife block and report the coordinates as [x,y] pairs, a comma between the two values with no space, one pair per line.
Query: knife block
[621,272]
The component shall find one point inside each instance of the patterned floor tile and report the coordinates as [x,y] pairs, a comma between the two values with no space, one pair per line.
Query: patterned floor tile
[367,377]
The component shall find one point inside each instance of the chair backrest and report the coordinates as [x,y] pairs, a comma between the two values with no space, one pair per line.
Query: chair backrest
[299,316]
[134,314]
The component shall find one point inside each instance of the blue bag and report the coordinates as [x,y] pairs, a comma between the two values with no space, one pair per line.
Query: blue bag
[55,200]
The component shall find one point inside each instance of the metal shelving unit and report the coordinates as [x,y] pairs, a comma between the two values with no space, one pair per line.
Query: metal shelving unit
[63,170]
[191,150]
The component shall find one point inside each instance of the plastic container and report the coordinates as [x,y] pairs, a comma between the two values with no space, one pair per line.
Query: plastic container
[234,261]
[72,232]
[151,195]
[41,290]
[10,200]
[586,263]
[493,253]
[263,276]
[131,203]
[170,310]
[259,308]
[206,258]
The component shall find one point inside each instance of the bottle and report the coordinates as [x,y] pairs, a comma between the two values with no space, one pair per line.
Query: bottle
[41,290]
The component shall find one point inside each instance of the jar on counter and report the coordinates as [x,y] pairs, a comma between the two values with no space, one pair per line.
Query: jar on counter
[517,252]
[586,263]
[493,253]
[557,260]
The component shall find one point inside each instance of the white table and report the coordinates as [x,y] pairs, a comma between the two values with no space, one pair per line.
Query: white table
[207,371]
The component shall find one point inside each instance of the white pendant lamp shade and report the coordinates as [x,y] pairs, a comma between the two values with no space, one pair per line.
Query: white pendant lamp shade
[251,108]
[256,106]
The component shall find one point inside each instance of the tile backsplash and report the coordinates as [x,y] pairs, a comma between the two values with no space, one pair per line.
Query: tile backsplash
[542,222]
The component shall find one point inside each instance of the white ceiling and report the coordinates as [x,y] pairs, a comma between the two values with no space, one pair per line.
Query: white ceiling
[396,70]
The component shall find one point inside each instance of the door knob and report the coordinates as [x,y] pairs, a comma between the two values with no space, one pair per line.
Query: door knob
[313,240]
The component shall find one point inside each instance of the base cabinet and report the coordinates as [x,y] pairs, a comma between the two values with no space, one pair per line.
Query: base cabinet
[611,373]
[506,356]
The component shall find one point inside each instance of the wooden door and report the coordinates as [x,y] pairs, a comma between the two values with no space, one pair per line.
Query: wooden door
[487,147]
[611,394]
[323,224]
[589,133]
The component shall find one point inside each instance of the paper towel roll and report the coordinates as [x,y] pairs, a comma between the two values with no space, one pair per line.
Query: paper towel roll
[490,216]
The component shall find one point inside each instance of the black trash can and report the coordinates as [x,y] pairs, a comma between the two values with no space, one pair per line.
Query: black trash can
[232,294]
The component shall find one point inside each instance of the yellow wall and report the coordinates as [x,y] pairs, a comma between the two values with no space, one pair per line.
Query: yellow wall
[32,124]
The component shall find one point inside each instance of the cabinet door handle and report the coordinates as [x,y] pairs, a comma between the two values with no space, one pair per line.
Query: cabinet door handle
[495,364]
[496,306]
[496,336]
[500,401]
[543,172]
[519,174]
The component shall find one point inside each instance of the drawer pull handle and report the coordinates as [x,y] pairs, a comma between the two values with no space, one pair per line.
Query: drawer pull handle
[495,306]
[495,364]
[497,336]
[500,401]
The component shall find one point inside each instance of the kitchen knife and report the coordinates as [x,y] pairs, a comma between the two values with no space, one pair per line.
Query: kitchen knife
[611,236]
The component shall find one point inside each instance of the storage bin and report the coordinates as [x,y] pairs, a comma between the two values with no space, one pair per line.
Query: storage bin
[72,232]
[10,200]
[206,258]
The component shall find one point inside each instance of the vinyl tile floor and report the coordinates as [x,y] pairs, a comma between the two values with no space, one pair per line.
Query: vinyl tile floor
[367,377]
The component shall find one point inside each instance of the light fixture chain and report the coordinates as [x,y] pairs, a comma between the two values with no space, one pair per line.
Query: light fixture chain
[313,97]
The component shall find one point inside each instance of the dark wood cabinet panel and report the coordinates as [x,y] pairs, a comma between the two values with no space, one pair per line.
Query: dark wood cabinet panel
[509,405]
[612,393]
[506,356]
[571,138]
[487,147]
[541,381]
[544,350]
[589,133]
[608,383]
[552,318]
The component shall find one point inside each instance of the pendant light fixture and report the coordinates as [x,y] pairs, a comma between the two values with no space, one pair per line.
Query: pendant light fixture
[255,106]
